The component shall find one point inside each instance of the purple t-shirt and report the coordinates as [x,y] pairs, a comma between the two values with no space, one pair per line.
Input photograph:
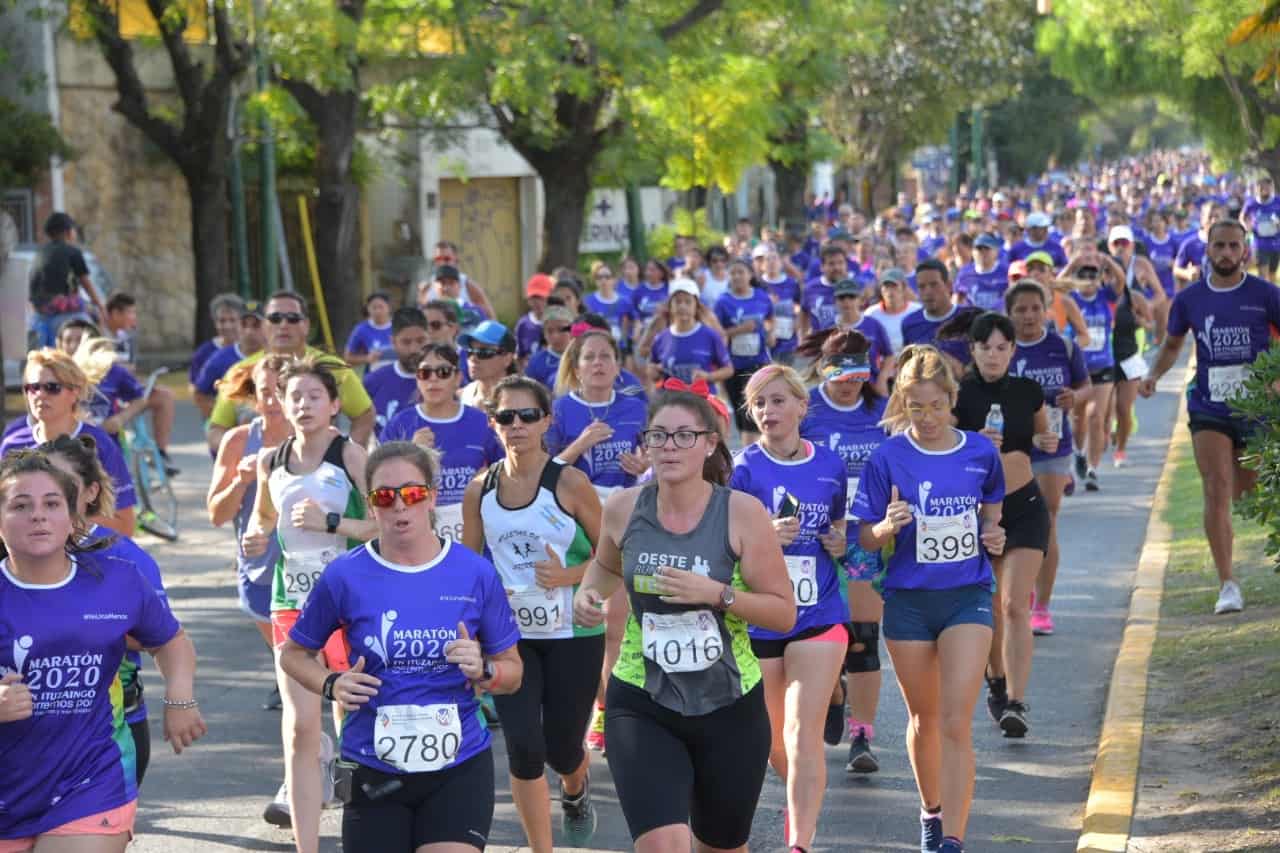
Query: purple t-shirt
[819,303]
[618,313]
[1162,256]
[818,483]
[679,354]
[199,357]
[466,442]
[1231,328]
[216,367]
[400,619]
[1265,219]
[940,548]
[1098,355]
[874,331]
[116,390]
[785,293]
[853,433]
[646,300]
[528,335]
[626,413]
[1022,248]
[1191,253]
[543,366]
[391,389]
[19,435]
[748,350]
[67,641]
[366,338]
[983,289]
[1056,364]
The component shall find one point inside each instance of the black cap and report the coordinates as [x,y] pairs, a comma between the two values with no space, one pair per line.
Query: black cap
[446,271]
[253,308]
[846,287]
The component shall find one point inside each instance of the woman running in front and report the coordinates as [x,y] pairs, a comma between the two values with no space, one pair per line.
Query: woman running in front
[63,602]
[597,430]
[538,520]
[937,492]
[314,507]
[803,487]
[431,624]
[688,728]
[1010,412]
[844,416]
[459,433]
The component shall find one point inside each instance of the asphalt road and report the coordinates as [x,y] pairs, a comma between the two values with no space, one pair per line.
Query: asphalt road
[1030,793]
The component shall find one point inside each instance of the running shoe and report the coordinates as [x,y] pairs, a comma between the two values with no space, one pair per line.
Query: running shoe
[1091,480]
[861,758]
[1041,622]
[1230,599]
[997,697]
[273,702]
[951,845]
[277,811]
[1120,459]
[579,819]
[930,832]
[1013,722]
[595,734]
[1082,466]
[833,729]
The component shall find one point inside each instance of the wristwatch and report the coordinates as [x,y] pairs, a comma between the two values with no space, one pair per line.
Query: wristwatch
[331,522]
[727,596]
[489,671]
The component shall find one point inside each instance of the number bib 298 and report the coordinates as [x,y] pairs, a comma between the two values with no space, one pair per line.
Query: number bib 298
[417,738]
[449,522]
[539,612]
[1227,382]
[804,579]
[301,571]
[946,538]
[682,642]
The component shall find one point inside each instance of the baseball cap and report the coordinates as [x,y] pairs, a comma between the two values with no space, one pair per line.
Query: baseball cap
[894,274]
[557,314]
[446,271]
[58,223]
[1017,271]
[988,241]
[1039,220]
[1039,258]
[845,366]
[683,285]
[847,287]
[491,333]
[761,250]
[253,308]
[1120,232]
[999,197]
[539,284]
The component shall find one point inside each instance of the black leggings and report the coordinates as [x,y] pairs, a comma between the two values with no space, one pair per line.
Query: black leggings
[545,721]
[141,732]
[450,805]
[671,769]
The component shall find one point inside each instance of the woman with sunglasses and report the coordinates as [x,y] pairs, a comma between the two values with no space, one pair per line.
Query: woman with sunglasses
[461,434]
[803,487]
[56,390]
[314,507]
[490,353]
[609,302]
[1010,412]
[937,493]
[688,728]
[844,416]
[538,519]
[431,626]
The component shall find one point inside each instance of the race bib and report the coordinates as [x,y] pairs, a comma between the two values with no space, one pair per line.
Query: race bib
[301,571]
[1097,339]
[946,538]
[682,642]
[1134,367]
[539,612]
[804,579]
[745,346]
[784,325]
[417,738]
[848,500]
[1267,226]
[449,522]
[1227,382]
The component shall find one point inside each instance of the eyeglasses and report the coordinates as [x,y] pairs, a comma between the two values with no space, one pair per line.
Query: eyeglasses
[293,318]
[506,417]
[437,325]
[46,387]
[444,371]
[684,438]
[557,330]
[410,493]
[483,354]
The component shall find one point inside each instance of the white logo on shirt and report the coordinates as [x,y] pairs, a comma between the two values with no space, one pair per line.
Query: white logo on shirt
[378,645]
[833,441]
[21,648]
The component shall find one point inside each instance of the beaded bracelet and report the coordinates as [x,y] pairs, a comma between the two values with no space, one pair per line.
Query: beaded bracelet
[182,705]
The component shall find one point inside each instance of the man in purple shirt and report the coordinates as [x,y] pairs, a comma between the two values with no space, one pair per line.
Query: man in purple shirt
[1186,266]
[1261,215]
[1038,240]
[983,282]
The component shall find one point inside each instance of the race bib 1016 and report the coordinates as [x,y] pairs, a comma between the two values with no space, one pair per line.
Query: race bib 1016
[682,642]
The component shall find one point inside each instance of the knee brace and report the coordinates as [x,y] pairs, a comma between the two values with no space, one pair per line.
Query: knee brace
[868,660]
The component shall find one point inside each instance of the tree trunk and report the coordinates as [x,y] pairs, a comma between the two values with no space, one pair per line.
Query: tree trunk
[337,210]
[790,183]
[566,186]
[210,243]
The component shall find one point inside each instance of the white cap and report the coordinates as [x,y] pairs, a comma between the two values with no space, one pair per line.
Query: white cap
[1120,232]
[683,285]
[1039,220]
[760,250]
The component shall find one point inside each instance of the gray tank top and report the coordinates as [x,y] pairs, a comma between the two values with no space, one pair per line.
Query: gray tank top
[692,660]
[256,569]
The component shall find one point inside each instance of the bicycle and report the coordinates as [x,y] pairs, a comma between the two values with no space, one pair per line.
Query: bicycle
[157,503]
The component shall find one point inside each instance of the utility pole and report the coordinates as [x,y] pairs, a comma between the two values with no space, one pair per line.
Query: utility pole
[977,160]
[267,273]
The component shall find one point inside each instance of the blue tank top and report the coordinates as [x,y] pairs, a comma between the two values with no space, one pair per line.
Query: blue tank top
[255,569]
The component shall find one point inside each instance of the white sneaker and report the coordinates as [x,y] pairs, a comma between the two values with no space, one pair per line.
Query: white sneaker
[1230,599]
[277,811]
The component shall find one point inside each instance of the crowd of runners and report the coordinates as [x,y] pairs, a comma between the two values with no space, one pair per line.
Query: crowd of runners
[668,515]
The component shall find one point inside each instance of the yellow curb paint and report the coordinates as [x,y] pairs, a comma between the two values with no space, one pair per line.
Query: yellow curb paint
[1108,815]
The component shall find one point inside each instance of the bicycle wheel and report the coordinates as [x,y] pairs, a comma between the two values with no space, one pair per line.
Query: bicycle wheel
[159,505]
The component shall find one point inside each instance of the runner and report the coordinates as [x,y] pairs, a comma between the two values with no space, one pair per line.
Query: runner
[818,302]
[251,340]
[225,309]
[1234,316]
[688,729]
[370,340]
[647,299]
[938,493]
[557,325]
[491,356]
[849,317]
[688,349]
[983,282]
[1058,365]
[609,303]
[117,395]
[538,520]
[844,416]
[745,312]
[894,306]
[460,434]
[1162,250]
[1009,410]
[1131,313]
[529,327]
[395,388]
[1088,420]
[54,591]
[597,429]
[921,327]
[55,388]
[1188,265]
[313,505]
[803,487]
[435,626]
[1064,313]
[1261,215]
[784,291]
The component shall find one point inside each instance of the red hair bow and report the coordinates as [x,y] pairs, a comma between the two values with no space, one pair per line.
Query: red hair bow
[700,388]
[580,328]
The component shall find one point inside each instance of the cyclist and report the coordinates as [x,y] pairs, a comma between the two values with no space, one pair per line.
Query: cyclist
[538,520]
[370,340]
[251,340]
[491,355]
[395,388]
[225,308]
[745,311]
[431,624]
[57,278]
[54,592]
[688,729]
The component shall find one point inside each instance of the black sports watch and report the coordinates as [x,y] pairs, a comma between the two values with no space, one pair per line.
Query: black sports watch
[331,522]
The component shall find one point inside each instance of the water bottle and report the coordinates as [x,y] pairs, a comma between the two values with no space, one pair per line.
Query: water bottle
[995,418]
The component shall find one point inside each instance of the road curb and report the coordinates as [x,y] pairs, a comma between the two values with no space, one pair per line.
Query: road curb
[1108,815]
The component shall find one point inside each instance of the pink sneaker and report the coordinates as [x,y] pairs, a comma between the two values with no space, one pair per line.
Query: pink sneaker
[1041,622]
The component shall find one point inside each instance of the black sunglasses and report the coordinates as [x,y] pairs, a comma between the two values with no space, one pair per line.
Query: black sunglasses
[46,387]
[444,371]
[293,318]
[506,417]
[484,354]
